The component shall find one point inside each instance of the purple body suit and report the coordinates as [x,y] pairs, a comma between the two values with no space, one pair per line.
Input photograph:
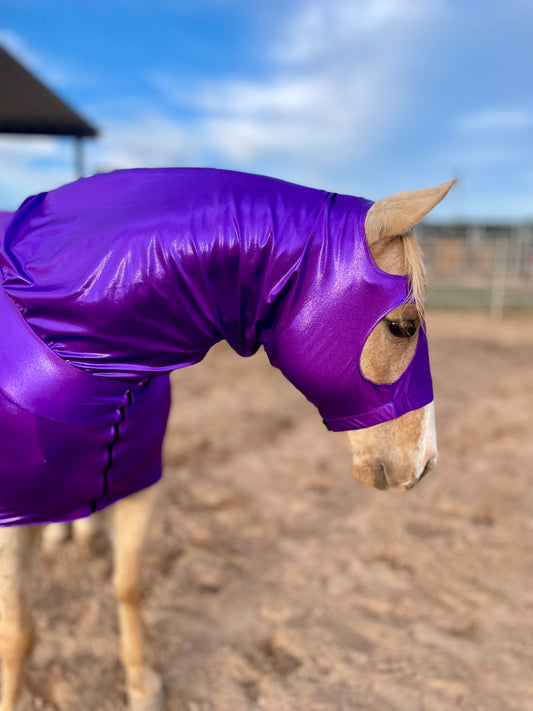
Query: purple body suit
[110,283]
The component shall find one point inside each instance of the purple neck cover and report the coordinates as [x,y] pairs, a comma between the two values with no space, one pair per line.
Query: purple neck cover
[119,278]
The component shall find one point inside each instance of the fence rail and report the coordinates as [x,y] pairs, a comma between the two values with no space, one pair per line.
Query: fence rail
[475,266]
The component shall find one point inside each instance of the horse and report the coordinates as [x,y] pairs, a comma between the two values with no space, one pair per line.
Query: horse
[112,282]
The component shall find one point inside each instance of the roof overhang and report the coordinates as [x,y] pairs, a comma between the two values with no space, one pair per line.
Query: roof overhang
[27,106]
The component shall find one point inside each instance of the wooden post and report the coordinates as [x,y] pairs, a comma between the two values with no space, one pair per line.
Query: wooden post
[499,277]
[78,154]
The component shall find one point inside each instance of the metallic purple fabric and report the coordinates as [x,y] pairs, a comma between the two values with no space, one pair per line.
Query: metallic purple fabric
[112,282]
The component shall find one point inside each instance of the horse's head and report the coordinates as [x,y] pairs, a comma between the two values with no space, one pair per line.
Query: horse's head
[399,452]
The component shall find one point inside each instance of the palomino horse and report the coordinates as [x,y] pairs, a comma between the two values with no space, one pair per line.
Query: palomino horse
[110,283]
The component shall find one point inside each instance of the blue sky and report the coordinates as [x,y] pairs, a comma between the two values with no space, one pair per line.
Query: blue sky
[366,97]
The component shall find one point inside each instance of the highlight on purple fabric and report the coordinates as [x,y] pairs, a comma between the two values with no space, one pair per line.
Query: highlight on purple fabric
[111,282]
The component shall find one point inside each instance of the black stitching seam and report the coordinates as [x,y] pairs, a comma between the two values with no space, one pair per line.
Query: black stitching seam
[116,434]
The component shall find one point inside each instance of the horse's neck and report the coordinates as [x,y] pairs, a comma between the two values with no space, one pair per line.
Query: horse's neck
[165,305]
[182,260]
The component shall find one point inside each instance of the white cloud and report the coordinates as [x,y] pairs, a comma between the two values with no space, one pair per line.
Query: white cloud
[338,81]
[299,116]
[150,139]
[495,119]
[32,164]
[322,29]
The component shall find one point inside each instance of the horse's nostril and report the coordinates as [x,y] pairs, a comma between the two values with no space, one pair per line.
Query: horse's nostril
[380,477]
[430,464]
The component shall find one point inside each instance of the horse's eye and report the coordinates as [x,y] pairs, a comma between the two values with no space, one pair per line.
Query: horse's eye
[402,329]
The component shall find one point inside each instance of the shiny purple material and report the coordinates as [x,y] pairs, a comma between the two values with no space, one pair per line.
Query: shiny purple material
[112,282]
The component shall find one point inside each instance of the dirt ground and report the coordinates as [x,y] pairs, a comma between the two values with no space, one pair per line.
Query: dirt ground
[276,582]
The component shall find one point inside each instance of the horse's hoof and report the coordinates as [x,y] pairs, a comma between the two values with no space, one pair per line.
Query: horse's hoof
[152,698]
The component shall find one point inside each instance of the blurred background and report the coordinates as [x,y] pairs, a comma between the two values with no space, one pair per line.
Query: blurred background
[358,96]
[366,97]
[273,581]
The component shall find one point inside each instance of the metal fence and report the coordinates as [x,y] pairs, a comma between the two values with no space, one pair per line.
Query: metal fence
[478,266]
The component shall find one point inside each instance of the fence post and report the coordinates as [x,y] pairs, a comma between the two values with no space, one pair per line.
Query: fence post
[499,277]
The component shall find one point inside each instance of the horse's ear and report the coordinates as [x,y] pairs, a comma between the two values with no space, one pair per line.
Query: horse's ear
[399,213]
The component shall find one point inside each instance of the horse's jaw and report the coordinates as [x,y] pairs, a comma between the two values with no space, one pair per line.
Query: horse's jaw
[395,454]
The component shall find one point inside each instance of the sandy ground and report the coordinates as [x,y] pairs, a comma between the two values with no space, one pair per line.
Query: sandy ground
[276,582]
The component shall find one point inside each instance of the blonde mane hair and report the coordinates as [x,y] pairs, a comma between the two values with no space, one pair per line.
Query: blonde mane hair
[415,270]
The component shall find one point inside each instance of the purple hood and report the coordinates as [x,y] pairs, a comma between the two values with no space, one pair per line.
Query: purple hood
[124,277]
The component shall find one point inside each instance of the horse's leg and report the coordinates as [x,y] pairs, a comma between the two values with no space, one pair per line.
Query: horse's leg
[16,623]
[54,534]
[131,517]
[83,529]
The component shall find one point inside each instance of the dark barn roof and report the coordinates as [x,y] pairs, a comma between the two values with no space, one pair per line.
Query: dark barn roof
[28,107]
